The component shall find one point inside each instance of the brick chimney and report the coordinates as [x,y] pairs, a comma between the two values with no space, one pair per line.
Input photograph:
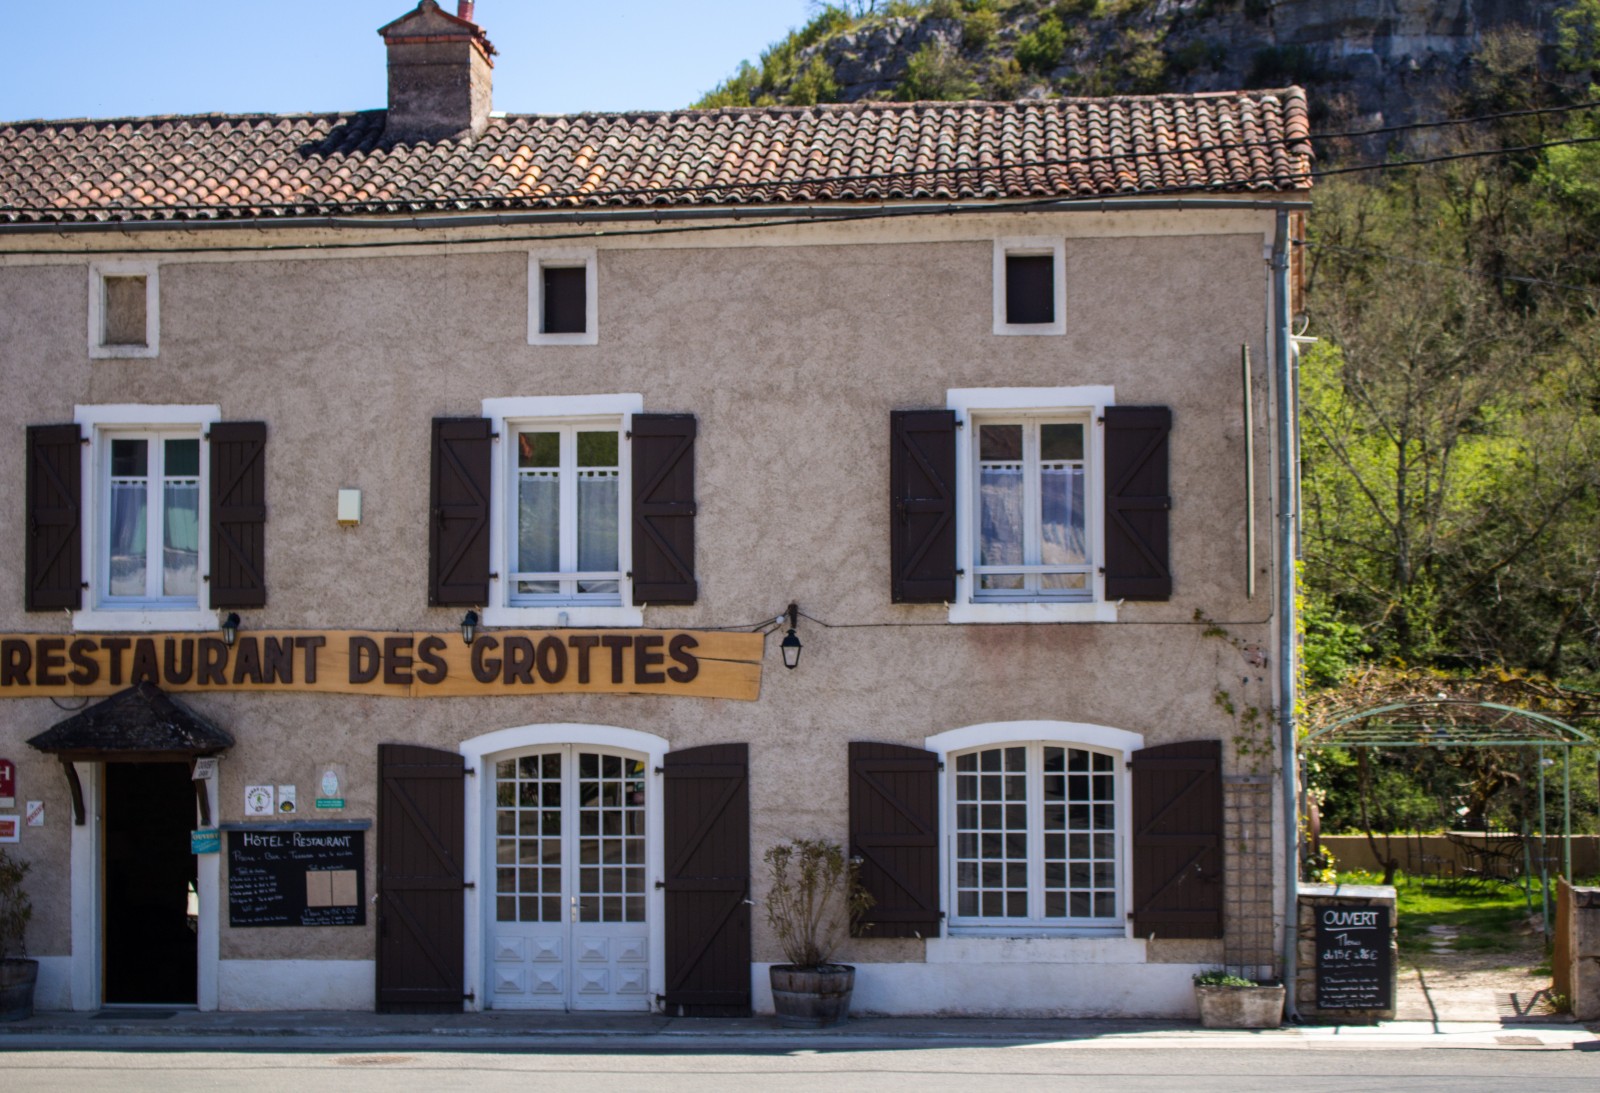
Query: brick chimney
[440,75]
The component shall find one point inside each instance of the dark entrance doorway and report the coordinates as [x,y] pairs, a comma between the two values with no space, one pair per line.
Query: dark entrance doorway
[150,950]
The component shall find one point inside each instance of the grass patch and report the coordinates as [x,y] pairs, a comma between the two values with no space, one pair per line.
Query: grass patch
[1487,921]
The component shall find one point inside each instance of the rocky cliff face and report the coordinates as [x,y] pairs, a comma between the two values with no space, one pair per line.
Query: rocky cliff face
[1363,61]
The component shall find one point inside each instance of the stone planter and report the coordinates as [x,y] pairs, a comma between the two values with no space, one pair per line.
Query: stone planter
[17,977]
[1240,1007]
[812,997]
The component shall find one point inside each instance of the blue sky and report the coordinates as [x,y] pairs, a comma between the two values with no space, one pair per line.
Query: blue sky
[130,58]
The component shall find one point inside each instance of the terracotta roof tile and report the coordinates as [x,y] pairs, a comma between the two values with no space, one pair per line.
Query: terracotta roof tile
[231,167]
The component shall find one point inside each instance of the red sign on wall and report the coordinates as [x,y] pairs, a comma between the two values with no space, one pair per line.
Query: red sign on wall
[8,784]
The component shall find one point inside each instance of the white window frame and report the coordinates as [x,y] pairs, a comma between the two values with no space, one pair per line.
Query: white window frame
[1022,245]
[507,416]
[563,258]
[101,424]
[1119,743]
[100,349]
[978,403]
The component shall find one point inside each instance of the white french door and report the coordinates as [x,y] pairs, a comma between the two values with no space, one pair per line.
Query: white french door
[567,860]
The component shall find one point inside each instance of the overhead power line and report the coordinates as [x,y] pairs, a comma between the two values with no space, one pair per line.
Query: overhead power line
[1387,256]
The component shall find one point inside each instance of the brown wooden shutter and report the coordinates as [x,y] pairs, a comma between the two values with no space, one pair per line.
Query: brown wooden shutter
[1177,840]
[421,892]
[458,531]
[922,496]
[1138,503]
[663,509]
[707,851]
[54,550]
[238,514]
[894,831]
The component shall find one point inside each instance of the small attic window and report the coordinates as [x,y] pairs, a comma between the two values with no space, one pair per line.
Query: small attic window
[562,297]
[1029,297]
[563,300]
[123,310]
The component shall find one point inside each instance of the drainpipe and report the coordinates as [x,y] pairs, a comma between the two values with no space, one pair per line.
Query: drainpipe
[1288,520]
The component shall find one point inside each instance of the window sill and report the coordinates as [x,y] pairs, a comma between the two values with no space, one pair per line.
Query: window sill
[549,617]
[122,352]
[1099,611]
[1103,949]
[1034,329]
[582,337]
[144,619]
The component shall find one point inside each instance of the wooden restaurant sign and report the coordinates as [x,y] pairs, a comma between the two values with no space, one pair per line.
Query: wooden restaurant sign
[689,663]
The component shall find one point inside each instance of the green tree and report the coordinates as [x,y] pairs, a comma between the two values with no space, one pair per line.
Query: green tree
[1451,417]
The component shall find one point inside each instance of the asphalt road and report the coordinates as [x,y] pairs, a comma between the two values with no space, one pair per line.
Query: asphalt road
[904,1067]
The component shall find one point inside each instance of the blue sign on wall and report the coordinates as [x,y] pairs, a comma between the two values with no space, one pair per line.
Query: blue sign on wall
[208,840]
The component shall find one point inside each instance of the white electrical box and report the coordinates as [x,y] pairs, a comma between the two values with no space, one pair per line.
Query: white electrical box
[349,508]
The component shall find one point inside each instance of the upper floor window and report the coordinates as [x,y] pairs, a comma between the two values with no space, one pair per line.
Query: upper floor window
[151,502]
[562,510]
[124,312]
[568,501]
[1029,287]
[562,297]
[1030,504]
[152,553]
[1033,533]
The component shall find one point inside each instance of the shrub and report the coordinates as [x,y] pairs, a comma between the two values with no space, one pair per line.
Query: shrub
[1040,49]
[937,72]
[1216,977]
[815,896]
[979,28]
[1067,10]
[1005,79]
[814,84]
[1143,63]
[15,907]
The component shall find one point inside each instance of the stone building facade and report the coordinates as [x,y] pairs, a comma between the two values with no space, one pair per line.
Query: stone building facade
[461,470]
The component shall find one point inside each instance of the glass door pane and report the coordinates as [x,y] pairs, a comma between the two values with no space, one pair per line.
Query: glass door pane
[611,834]
[528,839]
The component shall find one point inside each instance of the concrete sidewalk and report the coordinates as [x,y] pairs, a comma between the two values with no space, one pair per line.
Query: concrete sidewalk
[157,1028]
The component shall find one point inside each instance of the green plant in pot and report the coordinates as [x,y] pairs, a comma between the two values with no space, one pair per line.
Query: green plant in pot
[18,974]
[814,898]
[1231,1001]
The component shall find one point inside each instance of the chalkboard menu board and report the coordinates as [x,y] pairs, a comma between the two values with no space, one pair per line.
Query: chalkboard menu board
[1355,964]
[296,877]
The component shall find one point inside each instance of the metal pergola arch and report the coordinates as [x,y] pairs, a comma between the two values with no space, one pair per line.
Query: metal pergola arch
[1445,722]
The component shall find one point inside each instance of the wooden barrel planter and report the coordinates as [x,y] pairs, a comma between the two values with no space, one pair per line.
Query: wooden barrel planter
[17,977]
[812,997]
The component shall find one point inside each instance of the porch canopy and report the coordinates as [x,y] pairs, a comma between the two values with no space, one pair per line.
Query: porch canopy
[142,724]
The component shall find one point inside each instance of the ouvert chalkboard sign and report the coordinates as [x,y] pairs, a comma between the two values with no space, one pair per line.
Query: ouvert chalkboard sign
[294,875]
[1354,957]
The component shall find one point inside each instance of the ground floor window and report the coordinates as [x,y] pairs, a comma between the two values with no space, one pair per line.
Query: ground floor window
[1036,836]
[1037,820]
